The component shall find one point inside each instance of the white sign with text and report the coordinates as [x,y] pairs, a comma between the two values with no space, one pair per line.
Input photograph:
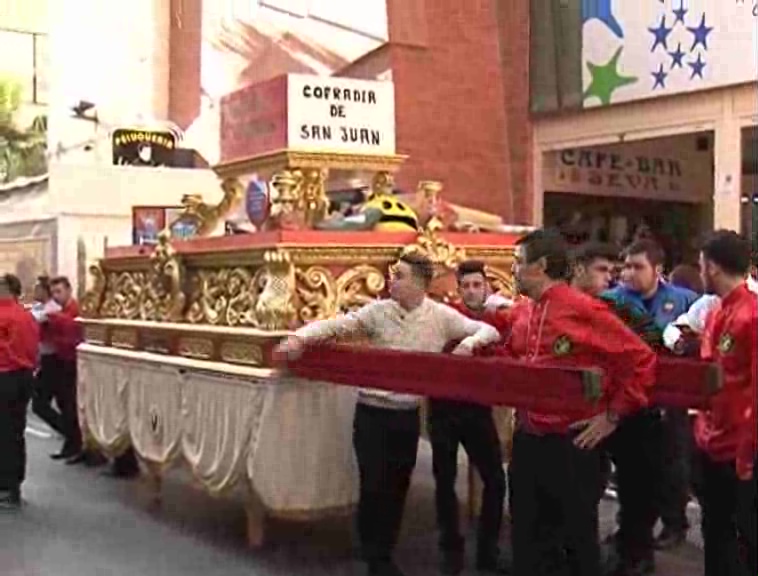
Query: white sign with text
[327,114]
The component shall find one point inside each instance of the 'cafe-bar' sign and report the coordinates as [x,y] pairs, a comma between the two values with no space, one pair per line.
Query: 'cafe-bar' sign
[615,173]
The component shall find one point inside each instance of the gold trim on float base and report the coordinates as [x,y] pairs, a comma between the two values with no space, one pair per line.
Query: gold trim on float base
[310,160]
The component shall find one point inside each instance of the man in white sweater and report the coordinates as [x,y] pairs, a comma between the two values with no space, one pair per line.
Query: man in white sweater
[387,425]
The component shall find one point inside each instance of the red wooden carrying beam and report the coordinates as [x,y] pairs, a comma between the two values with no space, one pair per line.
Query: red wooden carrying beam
[495,381]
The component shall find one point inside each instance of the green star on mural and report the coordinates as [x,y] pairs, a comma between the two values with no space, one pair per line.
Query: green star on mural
[606,79]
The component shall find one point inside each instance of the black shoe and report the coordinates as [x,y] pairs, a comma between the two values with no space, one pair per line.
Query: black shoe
[79,458]
[452,562]
[670,539]
[10,500]
[64,454]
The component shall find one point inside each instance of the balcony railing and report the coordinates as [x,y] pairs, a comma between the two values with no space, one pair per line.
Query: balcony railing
[27,62]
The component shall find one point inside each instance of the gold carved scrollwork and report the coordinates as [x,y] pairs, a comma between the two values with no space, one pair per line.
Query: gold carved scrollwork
[500,281]
[275,307]
[437,249]
[317,292]
[223,297]
[94,297]
[322,296]
[359,286]
[163,295]
[123,295]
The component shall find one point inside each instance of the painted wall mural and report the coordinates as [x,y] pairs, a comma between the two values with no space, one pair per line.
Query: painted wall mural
[246,43]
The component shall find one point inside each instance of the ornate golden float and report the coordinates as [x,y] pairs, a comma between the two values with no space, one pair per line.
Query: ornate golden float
[178,345]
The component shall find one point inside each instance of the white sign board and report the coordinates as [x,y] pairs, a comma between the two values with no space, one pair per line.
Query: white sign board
[634,49]
[327,114]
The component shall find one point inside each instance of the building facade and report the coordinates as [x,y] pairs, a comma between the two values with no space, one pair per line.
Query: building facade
[645,114]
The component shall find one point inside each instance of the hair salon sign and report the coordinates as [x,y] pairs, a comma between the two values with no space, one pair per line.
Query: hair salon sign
[629,173]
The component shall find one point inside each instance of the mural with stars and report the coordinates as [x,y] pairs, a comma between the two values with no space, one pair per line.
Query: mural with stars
[634,49]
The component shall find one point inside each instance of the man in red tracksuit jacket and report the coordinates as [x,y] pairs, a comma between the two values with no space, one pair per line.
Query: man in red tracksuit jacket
[452,424]
[19,339]
[722,470]
[558,465]
[65,334]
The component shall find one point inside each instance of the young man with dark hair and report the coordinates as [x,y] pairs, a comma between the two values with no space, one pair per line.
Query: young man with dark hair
[558,466]
[47,375]
[592,272]
[452,424]
[387,424]
[19,338]
[722,473]
[656,449]
[64,334]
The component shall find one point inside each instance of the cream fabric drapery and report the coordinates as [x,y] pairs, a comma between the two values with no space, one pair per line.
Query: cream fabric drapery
[289,439]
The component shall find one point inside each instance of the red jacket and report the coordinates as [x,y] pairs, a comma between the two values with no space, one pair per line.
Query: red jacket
[569,328]
[19,337]
[499,319]
[727,429]
[63,332]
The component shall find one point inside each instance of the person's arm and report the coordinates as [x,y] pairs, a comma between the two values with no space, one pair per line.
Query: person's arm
[361,321]
[694,319]
[630,362]
[748,447]
[471,333]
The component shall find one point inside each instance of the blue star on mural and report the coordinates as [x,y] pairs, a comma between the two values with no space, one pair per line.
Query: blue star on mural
[701,34]
[661,35]
[697,67]
[680,13]
[660,78]
[677,57]
[601,10]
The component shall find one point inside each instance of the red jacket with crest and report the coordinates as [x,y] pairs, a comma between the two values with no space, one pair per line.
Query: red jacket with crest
[63,332]
[568,328]
[727,430]
[19,337]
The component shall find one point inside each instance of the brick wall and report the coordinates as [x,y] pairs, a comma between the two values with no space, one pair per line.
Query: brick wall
[453,102]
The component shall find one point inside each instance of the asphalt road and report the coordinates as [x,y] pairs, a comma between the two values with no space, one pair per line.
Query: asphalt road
[78,523]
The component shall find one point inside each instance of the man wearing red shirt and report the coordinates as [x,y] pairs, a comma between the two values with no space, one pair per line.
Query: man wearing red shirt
[558,467]
[65,334]
[19,339]
[452,424]
[729,339]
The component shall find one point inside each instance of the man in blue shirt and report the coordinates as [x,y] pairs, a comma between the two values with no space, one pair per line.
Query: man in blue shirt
[637,447]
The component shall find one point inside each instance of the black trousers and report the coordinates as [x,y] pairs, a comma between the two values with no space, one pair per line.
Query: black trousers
[675,486]
[555,489]
[747,519]
[452,424]
[386,445]
[45,385]
[636,450]
[65,394]
[725,526]
[15,391]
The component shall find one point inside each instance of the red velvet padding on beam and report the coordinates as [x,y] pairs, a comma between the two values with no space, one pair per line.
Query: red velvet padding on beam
[489,381]
[496,381]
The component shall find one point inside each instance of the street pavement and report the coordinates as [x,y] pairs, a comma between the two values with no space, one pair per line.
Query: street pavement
[78,523]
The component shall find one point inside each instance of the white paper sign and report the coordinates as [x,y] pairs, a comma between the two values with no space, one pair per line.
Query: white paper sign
[327,114]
